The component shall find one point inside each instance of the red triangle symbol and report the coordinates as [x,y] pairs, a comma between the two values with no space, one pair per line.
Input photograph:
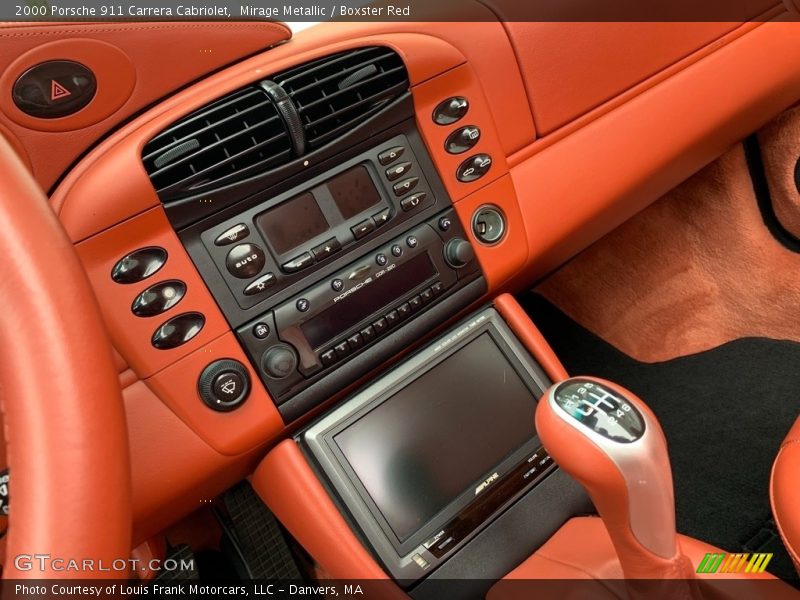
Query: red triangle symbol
[58,91]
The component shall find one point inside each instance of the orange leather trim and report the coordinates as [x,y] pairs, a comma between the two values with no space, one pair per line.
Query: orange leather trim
[249,426]
[784,492]
[292,491]
[111,185]
[508,257]
[596,472]
[570,68]
[122,54]
[577,190]
[61,405]
[522,326]
[174,472]
[116,77]
[461,81]
[131,334]
[582,549]
[16,145]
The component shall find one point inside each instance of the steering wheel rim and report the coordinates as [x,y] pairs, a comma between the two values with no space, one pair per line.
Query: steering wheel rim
[64,421]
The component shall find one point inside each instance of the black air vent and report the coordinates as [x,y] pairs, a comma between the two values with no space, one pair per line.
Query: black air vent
[220,143]
[335,93]
[270,123]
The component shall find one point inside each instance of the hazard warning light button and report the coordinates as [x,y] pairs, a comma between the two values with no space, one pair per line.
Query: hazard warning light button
[53,89]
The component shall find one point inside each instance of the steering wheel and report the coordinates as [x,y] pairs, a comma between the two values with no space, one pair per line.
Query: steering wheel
[65,432]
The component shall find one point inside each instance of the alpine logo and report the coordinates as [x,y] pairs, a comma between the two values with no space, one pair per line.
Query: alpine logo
[487,482]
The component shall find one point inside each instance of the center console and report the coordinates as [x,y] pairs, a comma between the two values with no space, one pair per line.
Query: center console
[429,454]
[328,240]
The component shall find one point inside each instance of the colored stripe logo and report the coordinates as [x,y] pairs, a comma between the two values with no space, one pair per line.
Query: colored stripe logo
[721,562]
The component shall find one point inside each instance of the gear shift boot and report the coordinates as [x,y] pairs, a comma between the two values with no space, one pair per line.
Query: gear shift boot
[611,443]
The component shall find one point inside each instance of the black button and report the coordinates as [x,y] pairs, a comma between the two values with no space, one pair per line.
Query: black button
[337,285]
[405,186]
[227,385]
[364,228]
[234,234]
[298,263]
[139,265]
[260,330]
[462,139]
[403,310]
[328,358]
[342,349]
[413,201]
[426,295]
[437,288]
[245,261]
[279,361]
[178,330]
[224,385]
[412,241]
[450,110]
[56,88]
[367,334]
[397,250]
[324,250]
[415,303]
[382,217]
[392,318]
[474,168]
[261,284]
[445,223]
[397,171]
[355,341]
[379,326]
[381,260]
[158,298]
[389,156]
[303,305]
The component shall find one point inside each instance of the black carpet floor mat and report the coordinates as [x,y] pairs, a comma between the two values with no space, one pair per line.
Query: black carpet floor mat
[724,413]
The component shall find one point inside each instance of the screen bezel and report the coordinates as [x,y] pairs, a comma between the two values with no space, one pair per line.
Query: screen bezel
[319,438]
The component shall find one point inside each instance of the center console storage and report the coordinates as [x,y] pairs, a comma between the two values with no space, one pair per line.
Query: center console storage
[429,454]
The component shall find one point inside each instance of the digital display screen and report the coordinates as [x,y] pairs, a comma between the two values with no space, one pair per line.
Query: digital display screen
[293,223]
[353,191]
[441,435]
[346,313]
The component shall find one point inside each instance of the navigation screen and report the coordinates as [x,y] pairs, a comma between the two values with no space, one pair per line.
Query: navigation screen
[353,191]
[441,435]
[293,223]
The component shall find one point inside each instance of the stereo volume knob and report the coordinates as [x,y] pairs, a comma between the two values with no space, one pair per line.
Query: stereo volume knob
[279,361]
[458,253]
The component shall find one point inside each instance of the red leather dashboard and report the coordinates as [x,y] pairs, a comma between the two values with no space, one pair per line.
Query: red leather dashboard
[578,149]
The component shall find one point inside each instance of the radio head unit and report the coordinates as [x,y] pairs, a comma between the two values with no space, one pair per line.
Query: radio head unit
[326,280]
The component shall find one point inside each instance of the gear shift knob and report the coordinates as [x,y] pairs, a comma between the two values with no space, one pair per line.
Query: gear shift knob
[611,442]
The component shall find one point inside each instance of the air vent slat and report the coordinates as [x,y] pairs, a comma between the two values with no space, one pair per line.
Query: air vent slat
[244,134]
[327,109]
[221,144]
[351,89]
[204,175]
[309,69]
[333,78]
[210,128]
[219,105]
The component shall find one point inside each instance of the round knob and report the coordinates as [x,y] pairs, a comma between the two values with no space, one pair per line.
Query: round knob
[279,361]
[224,385]
[458,253]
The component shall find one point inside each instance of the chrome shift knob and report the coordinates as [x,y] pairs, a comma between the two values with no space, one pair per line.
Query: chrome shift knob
[610,442]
